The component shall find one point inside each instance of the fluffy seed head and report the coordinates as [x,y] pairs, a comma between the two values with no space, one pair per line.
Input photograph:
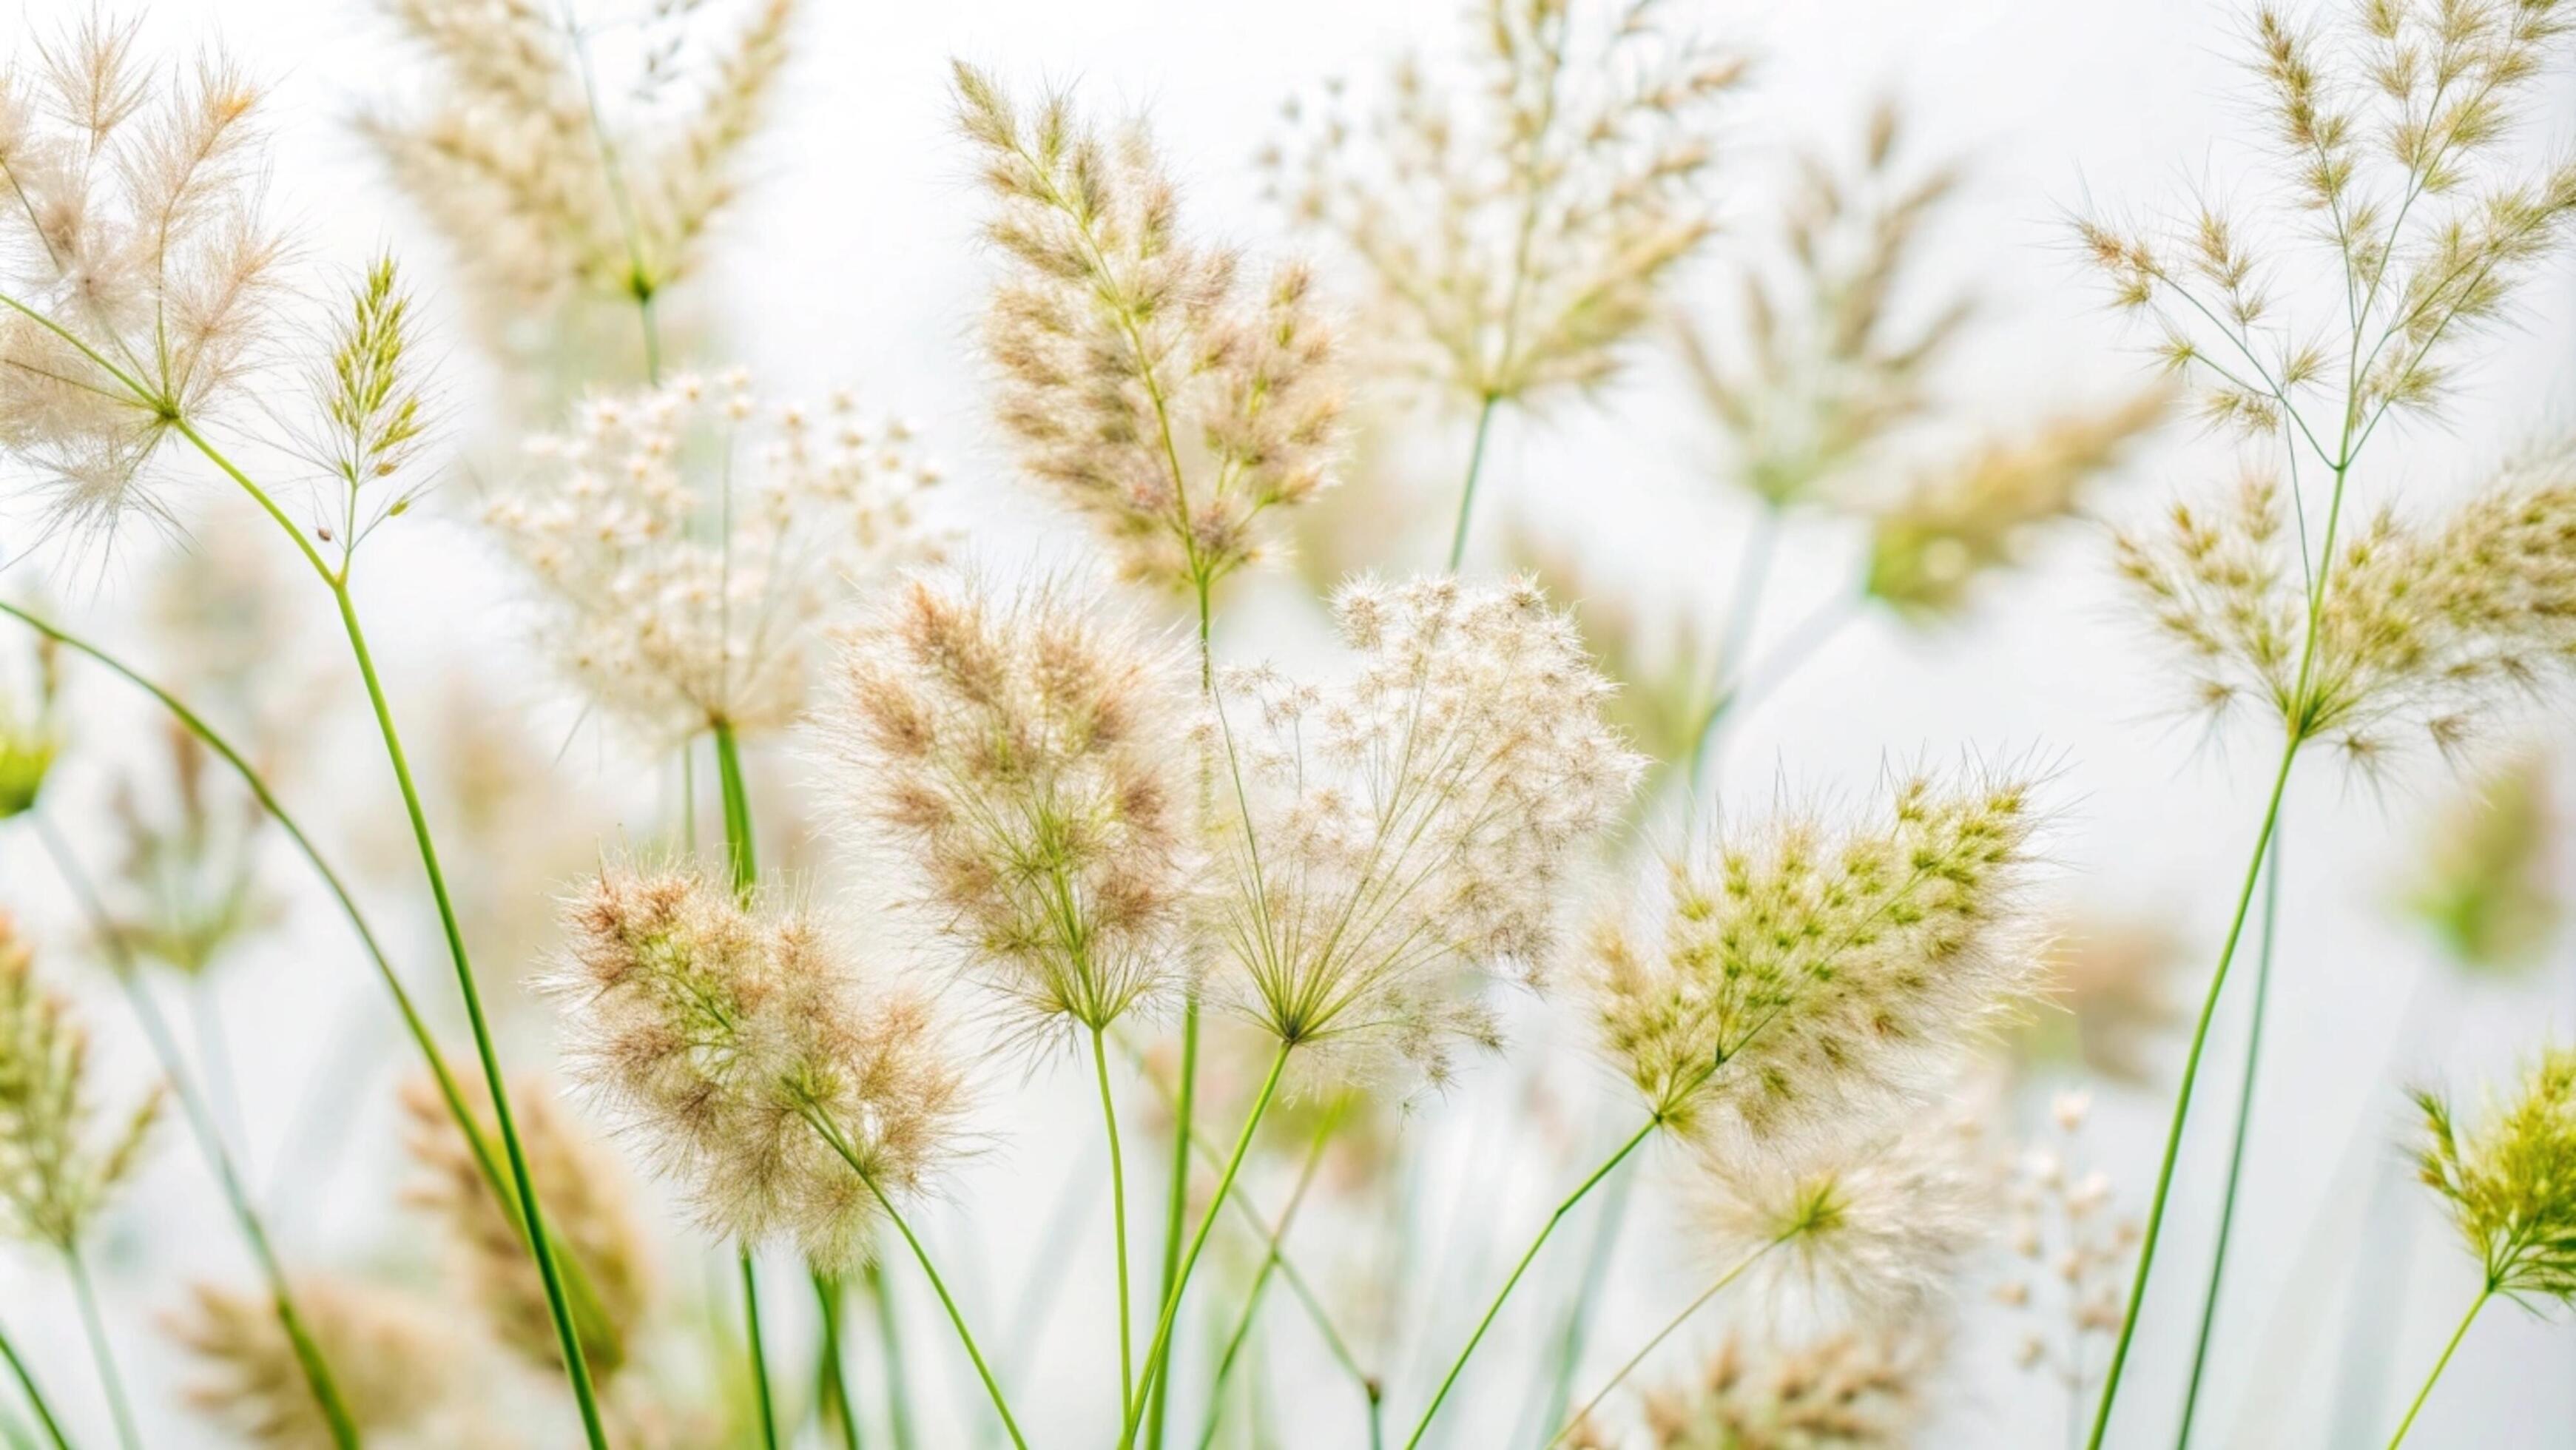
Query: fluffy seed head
[1025,757]
[2486,886]
[1151,380]
[2510,1185]
[1778,976]
[391,1359]
[690,542]
[57,1173]
[1403,830]
[779,1091]
[1856,1389]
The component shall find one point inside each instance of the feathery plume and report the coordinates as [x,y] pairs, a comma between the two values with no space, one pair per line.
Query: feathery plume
[2509,1186]
[56,1173]
[29,737]
[731,1041]
[587,1211]
[2421,628]
[1025,756]
[1519,227]
[689,542]
[1776,977]
[1854,1389]
[1149,378]
[391,1359]
[1407,829]
[137,276]
[2486,883]
[366,392]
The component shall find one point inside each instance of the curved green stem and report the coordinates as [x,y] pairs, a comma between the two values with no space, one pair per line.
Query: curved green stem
[1649,1347]
[1458,1366]
[210,1139]
[832,1382]
[35,1397]
[1118,1213]
[1475,467]
[2439,1365]
[95,1326]
[1261,1278]
[1158,1353]
[890,1353]
[2236,1147]
[759,1366]
[1578,1315]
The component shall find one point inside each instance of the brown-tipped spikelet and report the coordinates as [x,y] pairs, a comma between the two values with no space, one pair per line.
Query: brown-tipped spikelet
[689,542]
[1406,829]
[779,1092]
[2510,1187]
[1777,977]
[1520,224]
[2423,631]
[139,275]
[1026,757]
[54,1179]
[1149,378]
[392,1360]
[1864,1389]
[2487,883]
[588,1213]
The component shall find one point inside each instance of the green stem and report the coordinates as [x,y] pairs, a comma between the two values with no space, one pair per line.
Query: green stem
[1118,1213]
[759,1365]
[832,1382]
[594,1318]
[1578,1316]
[1459,1365]
[210,1139]
[1752,573]
[1176,1207]
[2439,1365]
[1158,1353]
[1663,1334]
[890,1352]
[1475,466]
[540,1242]
[2236,1148]
[823,1124]
[1261,1277]
[2182,1097]
[96,1327]
[35,1397]
[740,848]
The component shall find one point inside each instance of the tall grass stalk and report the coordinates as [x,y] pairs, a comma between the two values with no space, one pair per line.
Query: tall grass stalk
[2421,1395]
[742,854]
[1475,467]
[898,1386]
[36,1404]
[759,1365]
[1689,1311]
[831,1380]
[95,1326]
[1118,1213]
[1242,1331]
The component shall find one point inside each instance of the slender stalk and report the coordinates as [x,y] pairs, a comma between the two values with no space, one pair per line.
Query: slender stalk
[594,1318]
[759,1361]
[831,1382]
[35,1397]
[1158,1353]
[210,1139]
[823,1124]
[740,849]
[1118,1213]
[890,1353]
[2182,1097]
[1261,1277]
[1578,1315]
[1752,573]
[2439,1365]
[1459,1365]
[1475,466]
[2236,1148]
[1663,1334]
[96,1327]
[215,1059]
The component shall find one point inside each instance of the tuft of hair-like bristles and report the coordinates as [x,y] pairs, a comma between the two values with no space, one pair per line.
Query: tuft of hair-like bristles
[1394,836]
[2507,1184]
[1775,978]
[1024,756]
[777,1089]
[393,1362]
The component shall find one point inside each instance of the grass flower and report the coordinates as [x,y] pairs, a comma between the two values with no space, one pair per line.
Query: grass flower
[2110,1002]
[689,541]
[2485,884]
[138,279]
[1853,1389]
[59,1167]
[1780,977]
[396,1362]
[29,738]
[186,889]
[1152,380]
[2509,1187]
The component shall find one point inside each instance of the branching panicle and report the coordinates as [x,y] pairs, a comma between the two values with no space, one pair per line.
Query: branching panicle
[2509,1185]
[57,1173]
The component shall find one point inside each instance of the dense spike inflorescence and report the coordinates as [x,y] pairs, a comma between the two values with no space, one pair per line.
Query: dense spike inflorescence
[56,1172]
[780,1091]
[1148,377]
[2422,631]
[392,1359]
[1779,977]
[139,276]
[1520,226]
[1025,757]
[1399,832]
[2509,1186]
[688,541]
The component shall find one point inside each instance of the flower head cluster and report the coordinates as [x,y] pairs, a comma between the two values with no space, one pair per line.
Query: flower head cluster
[2486,885]
[1027,757]
[56,1174]
[1147,377]
[1778,977]
[186,890]
[690,541]
[2392,132]
[29,738]
[139,274]
[1411,825]
[2510,1186]
[2071,1252]
[1853,1389]
[519,164]
[392,1360]
[781,1093]
[1520,226]
[2420,628]
[2111,999]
